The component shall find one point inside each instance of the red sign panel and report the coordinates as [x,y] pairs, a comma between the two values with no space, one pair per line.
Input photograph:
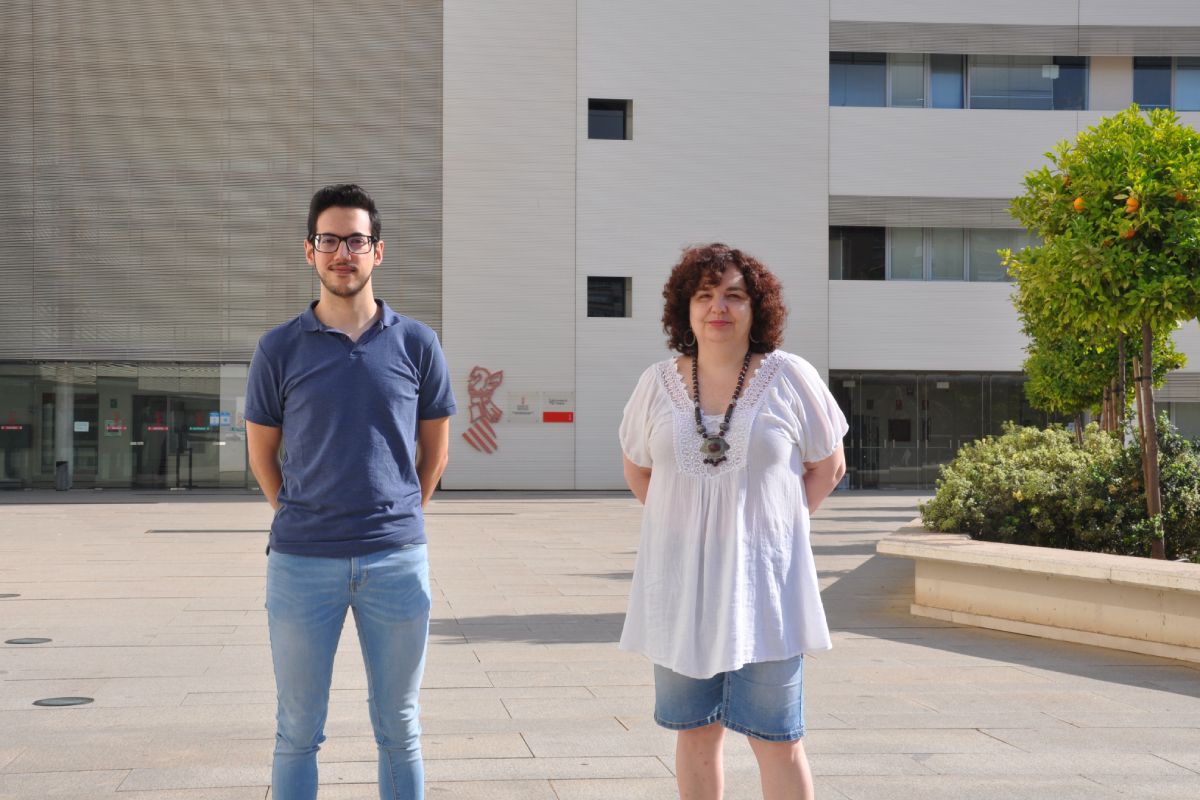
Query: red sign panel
[558,416]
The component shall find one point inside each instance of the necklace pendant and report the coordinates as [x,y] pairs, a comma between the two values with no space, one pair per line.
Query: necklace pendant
[713,448]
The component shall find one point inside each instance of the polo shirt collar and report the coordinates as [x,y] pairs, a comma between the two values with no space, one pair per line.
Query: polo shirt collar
[309,321]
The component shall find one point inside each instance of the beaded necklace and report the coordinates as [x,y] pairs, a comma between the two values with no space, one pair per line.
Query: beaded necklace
[714,446]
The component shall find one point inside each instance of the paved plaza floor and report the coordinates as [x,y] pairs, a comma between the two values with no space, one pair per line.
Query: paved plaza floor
[153,606]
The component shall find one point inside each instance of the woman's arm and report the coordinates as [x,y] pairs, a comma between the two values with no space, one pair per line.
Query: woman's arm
[820,477]
[637,478]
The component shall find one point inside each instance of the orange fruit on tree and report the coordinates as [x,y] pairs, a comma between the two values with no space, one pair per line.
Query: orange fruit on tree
[1128,233]
[1180,197]
[1078,204]
[1132,205]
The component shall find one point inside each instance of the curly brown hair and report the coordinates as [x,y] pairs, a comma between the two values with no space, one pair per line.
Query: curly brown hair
[703,266]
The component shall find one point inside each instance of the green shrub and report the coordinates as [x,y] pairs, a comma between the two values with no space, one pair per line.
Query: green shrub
[1038,487]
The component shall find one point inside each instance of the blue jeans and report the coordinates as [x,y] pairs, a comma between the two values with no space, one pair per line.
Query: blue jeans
[307,598]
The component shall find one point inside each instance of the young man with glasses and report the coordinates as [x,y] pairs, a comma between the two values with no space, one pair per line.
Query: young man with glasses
[360,399]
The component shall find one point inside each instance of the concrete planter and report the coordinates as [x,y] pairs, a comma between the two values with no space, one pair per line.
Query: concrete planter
[1121,602]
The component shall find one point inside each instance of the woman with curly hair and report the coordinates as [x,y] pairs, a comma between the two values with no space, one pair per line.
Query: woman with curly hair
[729,446]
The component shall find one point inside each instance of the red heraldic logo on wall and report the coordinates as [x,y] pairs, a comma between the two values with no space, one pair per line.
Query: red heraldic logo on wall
[481,385]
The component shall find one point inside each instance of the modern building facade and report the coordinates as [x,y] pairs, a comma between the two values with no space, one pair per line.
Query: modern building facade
[539,165]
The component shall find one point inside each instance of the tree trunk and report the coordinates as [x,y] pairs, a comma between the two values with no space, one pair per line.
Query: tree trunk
[1122,392]
[1079,429]
[1141,417]
[1150,443]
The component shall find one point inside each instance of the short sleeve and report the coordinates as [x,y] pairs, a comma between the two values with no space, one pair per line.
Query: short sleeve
[264,395]
[820,421]
[436,397]
[635,422]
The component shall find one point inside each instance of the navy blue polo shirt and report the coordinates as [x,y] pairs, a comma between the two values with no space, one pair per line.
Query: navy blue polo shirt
[349,413]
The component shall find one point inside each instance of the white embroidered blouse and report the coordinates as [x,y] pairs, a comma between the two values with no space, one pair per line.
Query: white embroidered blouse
[725,574]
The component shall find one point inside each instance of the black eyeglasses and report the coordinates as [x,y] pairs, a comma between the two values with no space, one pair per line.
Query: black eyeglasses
[355,242]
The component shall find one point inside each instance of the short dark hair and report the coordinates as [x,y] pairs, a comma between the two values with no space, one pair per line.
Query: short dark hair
[343,195]
[703,266]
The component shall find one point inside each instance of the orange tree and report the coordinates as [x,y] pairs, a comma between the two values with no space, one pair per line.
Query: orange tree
[1120,254]
[1070,373]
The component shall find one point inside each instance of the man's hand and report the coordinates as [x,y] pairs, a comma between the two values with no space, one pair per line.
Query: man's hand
[433,451]
[262,444]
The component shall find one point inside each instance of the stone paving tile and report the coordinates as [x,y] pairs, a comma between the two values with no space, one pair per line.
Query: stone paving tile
[946,787]
[624,788]
[212,777]
[1049,701]
[545,768]
[571,677]
[120,750]
[226,793]
[74,784]
[472,708]
[8,755]
[1051,764]
[487,693]
[1130,719]
[848,742]
[482,790]
[1150,787]
[523,708]
[1160,740]
[824,764]
[936,719]
[599,726]
[434,746]
[657,742]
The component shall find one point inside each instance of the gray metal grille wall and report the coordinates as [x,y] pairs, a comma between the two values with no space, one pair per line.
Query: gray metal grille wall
[979,39]
[921,212]
[156,160]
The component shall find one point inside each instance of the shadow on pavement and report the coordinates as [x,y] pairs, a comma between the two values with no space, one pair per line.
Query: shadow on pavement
[873,600]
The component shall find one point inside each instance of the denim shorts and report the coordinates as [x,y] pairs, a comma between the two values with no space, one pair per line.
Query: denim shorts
[763,700]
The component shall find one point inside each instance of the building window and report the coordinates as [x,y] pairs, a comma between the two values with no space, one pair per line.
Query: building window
[857,254]
[609,297]
[940,80]
[1152,81]
[906,76]
[947,80]
[904,426]
[1164,82]
[857,79]
[1028,82]
[609,119]
[916,254]
[1187,84]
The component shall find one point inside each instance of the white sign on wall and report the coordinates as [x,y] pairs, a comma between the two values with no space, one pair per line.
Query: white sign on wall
[524,406]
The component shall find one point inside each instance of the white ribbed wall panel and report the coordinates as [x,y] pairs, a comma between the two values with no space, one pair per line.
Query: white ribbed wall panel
[509,223]
[1187,340]
[916,325]
[1143,13]
[729,131]
[1010,12]
[945,152]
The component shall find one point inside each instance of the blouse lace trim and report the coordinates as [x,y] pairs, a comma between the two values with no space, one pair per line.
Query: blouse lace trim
[688,457]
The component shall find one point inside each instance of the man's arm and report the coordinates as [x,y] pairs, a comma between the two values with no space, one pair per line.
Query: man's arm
[637,479]
[822,477]
[433,451]
[262,443]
